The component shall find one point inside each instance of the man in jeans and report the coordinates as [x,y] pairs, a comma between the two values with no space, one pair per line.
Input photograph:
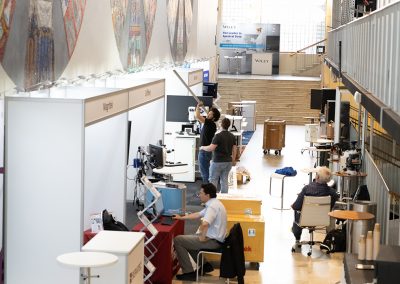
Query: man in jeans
[206,135]
[223,147]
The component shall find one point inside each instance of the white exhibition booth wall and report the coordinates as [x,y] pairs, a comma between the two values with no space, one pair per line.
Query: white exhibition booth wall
[98,168]
[147,128]
[59,171]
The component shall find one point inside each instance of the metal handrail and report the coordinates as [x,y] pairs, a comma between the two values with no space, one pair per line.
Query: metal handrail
[304,48]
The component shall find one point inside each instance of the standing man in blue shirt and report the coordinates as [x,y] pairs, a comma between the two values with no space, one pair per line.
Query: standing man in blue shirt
[210,235]
[223,147]
[207,133]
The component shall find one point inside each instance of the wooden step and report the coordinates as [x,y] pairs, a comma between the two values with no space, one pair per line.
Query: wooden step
[283,99]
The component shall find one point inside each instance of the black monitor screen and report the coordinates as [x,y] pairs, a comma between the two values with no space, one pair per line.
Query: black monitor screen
[177,106]
[327,94]
[156,156]
[272,43]
[319,98]
[210,89]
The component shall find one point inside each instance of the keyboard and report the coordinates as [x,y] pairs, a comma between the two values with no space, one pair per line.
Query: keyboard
[174,165]
[167,220]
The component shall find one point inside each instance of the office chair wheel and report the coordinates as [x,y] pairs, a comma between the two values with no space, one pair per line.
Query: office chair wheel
[293,250]
[309,253]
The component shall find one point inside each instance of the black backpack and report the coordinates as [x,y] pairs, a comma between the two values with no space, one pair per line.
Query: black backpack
[335,240]
[110,224]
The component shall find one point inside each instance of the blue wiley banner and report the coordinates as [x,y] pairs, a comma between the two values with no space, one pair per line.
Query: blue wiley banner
[244,36]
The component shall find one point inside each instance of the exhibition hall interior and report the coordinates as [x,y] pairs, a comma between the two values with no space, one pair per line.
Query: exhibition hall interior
[216,141]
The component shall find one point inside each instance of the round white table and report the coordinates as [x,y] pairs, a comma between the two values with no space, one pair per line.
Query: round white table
[87,260]
[171,170]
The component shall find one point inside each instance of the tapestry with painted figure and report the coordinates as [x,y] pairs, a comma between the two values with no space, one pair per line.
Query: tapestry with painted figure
[39,58]
[38,31]
[133,22]
[6,16]
[179,17]
[73,14]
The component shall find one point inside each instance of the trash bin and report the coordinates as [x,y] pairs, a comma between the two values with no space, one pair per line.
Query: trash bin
[361,227]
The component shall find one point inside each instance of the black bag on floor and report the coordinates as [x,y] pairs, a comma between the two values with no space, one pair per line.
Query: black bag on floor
[336,240]
[110,224]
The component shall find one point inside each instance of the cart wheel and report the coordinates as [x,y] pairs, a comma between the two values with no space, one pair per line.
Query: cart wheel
[265,152]
[257,266]
[276,152]
[280,152]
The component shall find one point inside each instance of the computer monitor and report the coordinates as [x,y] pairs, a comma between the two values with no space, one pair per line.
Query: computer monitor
[159,206]
[177,106]
[184,127]
[210,89]
[156,156]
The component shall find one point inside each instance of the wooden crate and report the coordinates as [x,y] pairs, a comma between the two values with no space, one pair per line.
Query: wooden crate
[274,135]
[240,205]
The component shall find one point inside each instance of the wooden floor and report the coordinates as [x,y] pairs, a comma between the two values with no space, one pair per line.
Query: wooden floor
[280,265]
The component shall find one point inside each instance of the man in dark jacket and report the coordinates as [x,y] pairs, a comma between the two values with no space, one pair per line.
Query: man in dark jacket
[232,259]
[207,133]
[318,187]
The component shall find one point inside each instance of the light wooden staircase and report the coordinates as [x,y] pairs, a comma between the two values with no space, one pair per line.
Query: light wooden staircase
[276,99]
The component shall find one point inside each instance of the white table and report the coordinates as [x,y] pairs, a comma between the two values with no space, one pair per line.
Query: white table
[310,172]
[128,247]
[237,58]
[172,170]
[87,260]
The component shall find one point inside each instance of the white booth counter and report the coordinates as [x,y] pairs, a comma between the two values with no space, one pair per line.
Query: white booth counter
[65,154]
[261,63]
[128,247]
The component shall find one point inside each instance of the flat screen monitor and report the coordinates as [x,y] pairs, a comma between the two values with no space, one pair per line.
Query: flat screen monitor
[177,106]
[159,206]
[210,89]
[156,156]
[184,127]
[171,202]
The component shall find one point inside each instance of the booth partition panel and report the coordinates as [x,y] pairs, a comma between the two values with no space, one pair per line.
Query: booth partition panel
[105,168]
[43,186]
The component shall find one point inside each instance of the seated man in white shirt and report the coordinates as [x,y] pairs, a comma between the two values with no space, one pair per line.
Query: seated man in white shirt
[210,235]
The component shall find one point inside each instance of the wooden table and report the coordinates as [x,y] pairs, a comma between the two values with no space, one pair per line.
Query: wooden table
[350,216]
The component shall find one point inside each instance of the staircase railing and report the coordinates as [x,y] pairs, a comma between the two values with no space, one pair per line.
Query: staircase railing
[308,57]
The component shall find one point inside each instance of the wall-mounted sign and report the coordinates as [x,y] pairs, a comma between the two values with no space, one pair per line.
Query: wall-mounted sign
[246,36]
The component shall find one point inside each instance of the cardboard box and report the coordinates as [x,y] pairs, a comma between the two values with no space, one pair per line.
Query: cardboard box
[237,204]
[242,178]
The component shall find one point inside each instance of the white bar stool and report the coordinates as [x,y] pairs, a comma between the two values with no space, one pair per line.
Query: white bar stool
[87,260]
[282,178]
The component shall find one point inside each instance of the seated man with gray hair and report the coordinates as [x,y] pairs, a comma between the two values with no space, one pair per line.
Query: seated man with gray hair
[318,187]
